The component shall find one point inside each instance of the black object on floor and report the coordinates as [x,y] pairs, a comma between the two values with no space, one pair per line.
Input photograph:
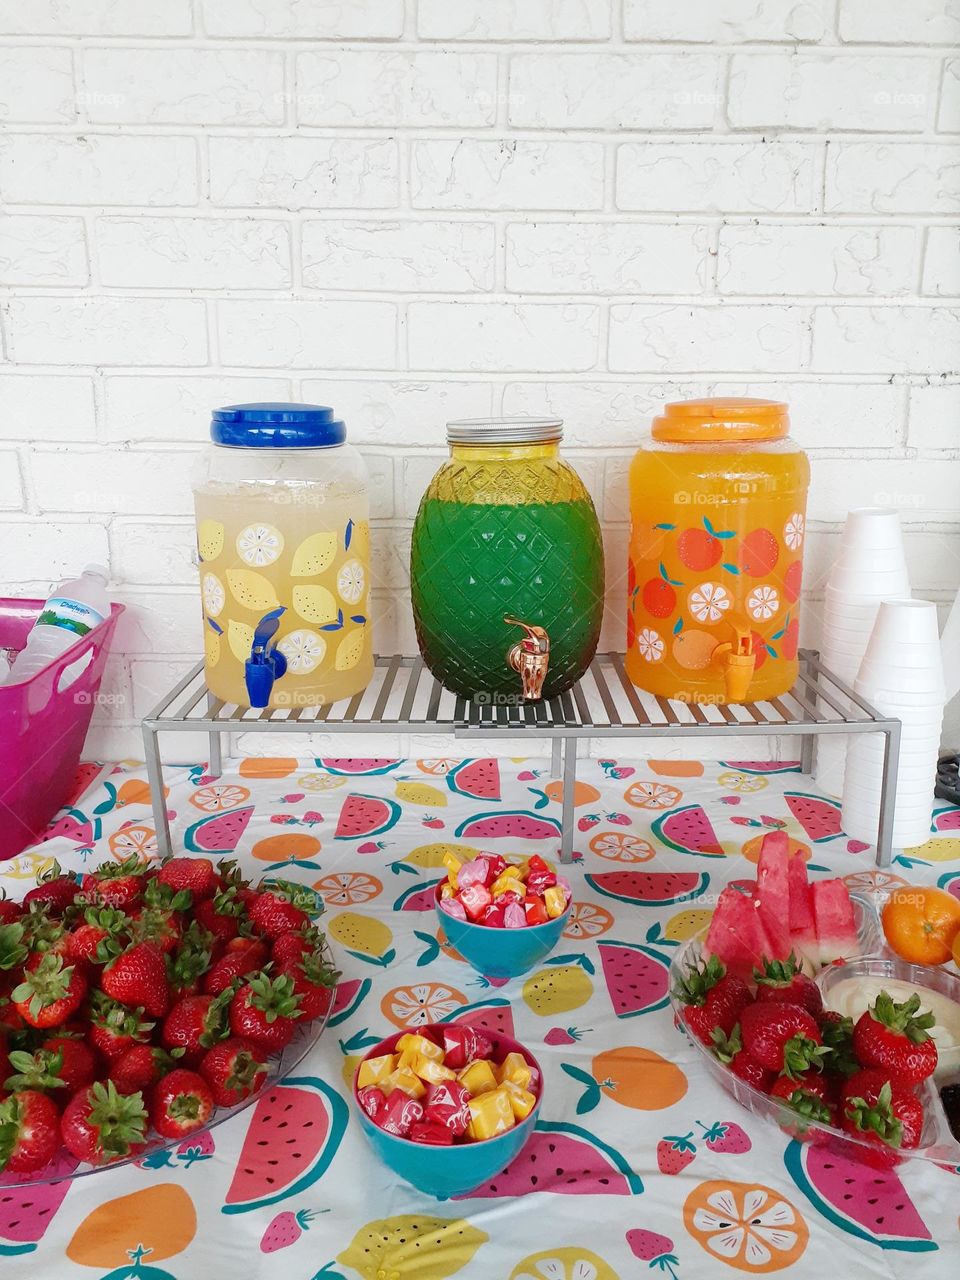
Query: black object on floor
[948,779]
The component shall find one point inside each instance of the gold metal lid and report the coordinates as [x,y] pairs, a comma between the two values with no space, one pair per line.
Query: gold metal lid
[504,431]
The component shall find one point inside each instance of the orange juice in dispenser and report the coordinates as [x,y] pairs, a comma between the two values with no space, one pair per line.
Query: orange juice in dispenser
[717,508]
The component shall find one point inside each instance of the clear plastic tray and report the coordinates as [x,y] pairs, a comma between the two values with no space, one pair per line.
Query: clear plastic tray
[937,1143]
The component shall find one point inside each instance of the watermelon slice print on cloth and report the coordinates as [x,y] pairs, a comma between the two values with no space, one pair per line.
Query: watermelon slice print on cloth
[637,977]
[495,1015]
[26,1210]
[870,1204]
[476,779]
[566,1160]
[946,819]
[349,997]
[819,817]
[218,833]
[762,766]
[688,830]
[295,1132]
[512,824]
[363,816]
[357,768]
[649,888]
[420,897]
[73,825]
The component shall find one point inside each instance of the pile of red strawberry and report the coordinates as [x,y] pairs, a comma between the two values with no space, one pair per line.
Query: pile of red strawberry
[141,997]
[776,1035]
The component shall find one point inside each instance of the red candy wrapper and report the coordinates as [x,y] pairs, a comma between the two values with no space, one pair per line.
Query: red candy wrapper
[433,1135]
[475,898]
[400,1112]
[497,863]
[493,916]
[536,863]
[447,1104]
[539,881]
[535,909]
[463,1044]
[373,1100]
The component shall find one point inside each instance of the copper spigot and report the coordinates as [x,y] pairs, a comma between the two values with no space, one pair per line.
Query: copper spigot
[529,657]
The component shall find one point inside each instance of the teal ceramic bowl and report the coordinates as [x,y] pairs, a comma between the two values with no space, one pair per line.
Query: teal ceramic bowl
[501,953]
[449,1171]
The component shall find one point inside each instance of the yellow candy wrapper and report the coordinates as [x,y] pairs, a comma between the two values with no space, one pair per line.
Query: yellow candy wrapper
[404,1080]
[374,1070]
[431,1071]
[516,1068]
[413,1046]
[555,900]
[477,1077]
[521,1100]
[490,1114]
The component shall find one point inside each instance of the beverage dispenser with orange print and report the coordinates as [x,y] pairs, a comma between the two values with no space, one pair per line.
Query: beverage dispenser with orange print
[718,501]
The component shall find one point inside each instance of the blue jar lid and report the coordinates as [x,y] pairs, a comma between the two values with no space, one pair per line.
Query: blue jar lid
[276,425]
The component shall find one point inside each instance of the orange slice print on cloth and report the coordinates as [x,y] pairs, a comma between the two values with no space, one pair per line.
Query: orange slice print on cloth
[745,783]
[621,846]
[422,1003]
[436,767]
[347,888]
[147,1226]
[878,883]
[746,1225]
[216,798]
[289,848]
[587,920]
[652,795]
[136,840]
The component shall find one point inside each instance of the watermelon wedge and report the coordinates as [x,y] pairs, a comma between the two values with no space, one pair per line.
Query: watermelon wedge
[511,824]
[565,1160]
[219,832]
[773,892]
[819,817]
[295,1132]
[738,936]
[357,768]
[363,816]
[688,830]
[494,1015]
[419,897]
[476,779]
[867,1203]
[834,919]
[802,927]
[762,766]
[349,996]
[637,977]
[649,888]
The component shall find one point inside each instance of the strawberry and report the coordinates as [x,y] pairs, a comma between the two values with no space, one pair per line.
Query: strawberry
[247,957]
[809,1095]
[782,1037]
[220,915]
[197,875]
[139,1068]
[191,959]
[9,910]
[783,980]
[837,1034]
[98,938]
[273,913]
[885,1114]
[294,944]
[114,1028]
[895,1037]
[234,1069]
[675,1153]
[100,1124]
[712,998]
[115,884]
[725,1137]
[29,1131]
[314,981]
[55,889]
[13,950]
[62,1065]
[43,930]
[182,1102]
[264,1010]
[50,991]
[730,1051]
[138,977]
[196,1023]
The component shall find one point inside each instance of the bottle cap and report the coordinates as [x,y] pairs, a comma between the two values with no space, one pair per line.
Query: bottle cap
[723,419]
[276,425]
[504,431]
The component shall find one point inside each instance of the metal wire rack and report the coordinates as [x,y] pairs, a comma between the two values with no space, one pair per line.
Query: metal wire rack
[403,696]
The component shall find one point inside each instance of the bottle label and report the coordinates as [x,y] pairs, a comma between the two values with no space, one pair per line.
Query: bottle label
[71,615]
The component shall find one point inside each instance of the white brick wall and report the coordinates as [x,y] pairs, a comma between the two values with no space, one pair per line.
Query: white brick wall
[424,209]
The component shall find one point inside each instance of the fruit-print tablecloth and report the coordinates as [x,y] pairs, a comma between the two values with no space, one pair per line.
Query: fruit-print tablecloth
[644,1167]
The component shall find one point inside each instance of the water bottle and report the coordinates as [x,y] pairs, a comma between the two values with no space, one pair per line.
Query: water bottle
[76,606]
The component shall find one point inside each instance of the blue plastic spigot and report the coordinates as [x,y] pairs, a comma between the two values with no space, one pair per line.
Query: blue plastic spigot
[266,663]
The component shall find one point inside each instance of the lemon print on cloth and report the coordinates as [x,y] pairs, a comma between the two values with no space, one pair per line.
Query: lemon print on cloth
[214,596]
[240,640]
[252,590]
[366,937]
[313,555]
[210,539]
[421,793]
[413,1247]
[350,649]
[351,581]
[570,1263]
[303,651]
[315,604]
[552,991]
[259,544]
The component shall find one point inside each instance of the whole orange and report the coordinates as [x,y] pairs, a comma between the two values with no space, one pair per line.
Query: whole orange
[759,553]
[921,923]
[659,598]
[698,549]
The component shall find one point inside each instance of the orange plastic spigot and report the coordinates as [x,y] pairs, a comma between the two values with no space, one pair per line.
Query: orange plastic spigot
[529,657]
[738,660]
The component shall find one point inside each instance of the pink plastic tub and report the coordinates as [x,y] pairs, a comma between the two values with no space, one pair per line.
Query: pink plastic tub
[43,726]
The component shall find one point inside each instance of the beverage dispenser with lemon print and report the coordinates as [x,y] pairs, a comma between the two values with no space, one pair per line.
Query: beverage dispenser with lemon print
[718,501]
[284,547]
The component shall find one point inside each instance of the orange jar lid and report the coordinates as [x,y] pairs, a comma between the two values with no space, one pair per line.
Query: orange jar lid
[730,419]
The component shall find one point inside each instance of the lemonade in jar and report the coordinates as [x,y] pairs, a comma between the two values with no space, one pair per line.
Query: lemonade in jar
[283,540]
[717,509]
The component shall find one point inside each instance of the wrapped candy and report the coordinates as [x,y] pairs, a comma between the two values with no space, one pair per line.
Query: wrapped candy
[538,882]
[555,902]
[453,907]
[399,1113]
[463,1044]
[481,891]
[433,1135]
[475,898]
[535,910]
[490,1114]
[372,1100]
[404,1081]
[493,916]
[418,1046]
[474,872]
[447,1104]
[477,1077]
[522,1101]
[514,916]
[374,1070]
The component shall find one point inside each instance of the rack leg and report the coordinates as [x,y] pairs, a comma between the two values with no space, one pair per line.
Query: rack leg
[808,745]
[569,783]
[555,760]
[215,766]
[888,793]
[151,754]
